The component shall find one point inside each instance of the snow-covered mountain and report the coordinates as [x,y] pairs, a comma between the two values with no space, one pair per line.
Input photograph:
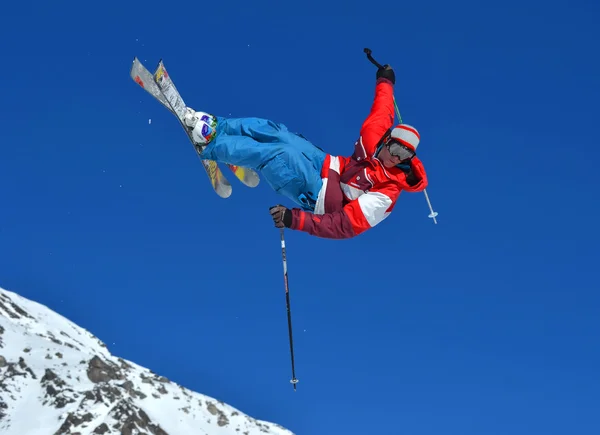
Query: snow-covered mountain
[57,378]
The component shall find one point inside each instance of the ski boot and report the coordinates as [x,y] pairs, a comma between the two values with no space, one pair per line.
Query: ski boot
[202,125]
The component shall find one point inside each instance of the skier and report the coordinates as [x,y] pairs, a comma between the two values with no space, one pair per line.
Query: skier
[337,197]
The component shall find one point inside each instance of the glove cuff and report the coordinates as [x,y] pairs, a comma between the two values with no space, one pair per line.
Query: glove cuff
[287,218]
[386,73]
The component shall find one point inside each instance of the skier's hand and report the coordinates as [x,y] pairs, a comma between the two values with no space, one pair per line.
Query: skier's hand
[387,73]
[282,217]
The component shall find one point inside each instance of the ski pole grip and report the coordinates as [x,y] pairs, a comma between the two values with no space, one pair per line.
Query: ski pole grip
[370,57]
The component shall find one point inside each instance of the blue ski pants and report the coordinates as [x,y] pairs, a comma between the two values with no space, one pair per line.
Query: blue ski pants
[288,162]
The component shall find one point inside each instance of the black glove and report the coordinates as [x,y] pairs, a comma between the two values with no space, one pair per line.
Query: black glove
[387,73]
[282,217]
[411,178]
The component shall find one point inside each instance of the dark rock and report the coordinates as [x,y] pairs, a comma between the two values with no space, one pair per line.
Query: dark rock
[51,391]
[54,339]
[9,312]
[72,421]
[15,311]
[128,386]
[71,346]
[157,430]
[23,365]
[111,393]
[144,417]
[212,408]
[223,420]
[62,401]
[50,376]
[124,364]
[100,371]
[102,429]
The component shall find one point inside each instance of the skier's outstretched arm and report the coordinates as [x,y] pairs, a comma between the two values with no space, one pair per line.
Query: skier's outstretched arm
[381,116]
[356,217]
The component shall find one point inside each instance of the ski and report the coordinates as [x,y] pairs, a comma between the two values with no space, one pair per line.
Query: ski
[144,78]
[140,74]
[246,175]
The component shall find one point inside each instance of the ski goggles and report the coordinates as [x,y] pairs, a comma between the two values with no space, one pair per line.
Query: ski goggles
[399,150]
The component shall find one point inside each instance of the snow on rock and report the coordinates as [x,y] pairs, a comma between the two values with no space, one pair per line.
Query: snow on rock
[57,378]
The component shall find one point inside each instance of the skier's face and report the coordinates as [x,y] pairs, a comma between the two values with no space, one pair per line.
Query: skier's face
[388,160]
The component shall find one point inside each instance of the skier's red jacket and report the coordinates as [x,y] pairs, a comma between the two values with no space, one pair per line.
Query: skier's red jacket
[358,191]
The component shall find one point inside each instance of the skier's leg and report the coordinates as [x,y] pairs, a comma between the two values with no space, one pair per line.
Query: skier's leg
[263,130]
[289,163]
[248,142]
[306,160]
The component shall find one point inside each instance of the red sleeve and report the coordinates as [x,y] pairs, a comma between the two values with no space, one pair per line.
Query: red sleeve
[335,225]
[356,217]
[381,117]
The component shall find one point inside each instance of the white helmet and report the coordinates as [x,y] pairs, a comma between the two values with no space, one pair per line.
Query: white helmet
[406,135]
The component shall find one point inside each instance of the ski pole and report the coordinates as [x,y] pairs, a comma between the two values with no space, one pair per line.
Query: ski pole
[432,213]
[294,381]
[370,56]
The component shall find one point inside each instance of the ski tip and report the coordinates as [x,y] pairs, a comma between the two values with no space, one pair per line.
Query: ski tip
[133,63]
[252,183]
[251,179]
[224,193]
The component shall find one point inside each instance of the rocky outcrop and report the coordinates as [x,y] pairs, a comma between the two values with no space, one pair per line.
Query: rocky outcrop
[102,371]
[70,380]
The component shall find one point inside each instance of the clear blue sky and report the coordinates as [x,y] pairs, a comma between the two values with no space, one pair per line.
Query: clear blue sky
[486,323]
